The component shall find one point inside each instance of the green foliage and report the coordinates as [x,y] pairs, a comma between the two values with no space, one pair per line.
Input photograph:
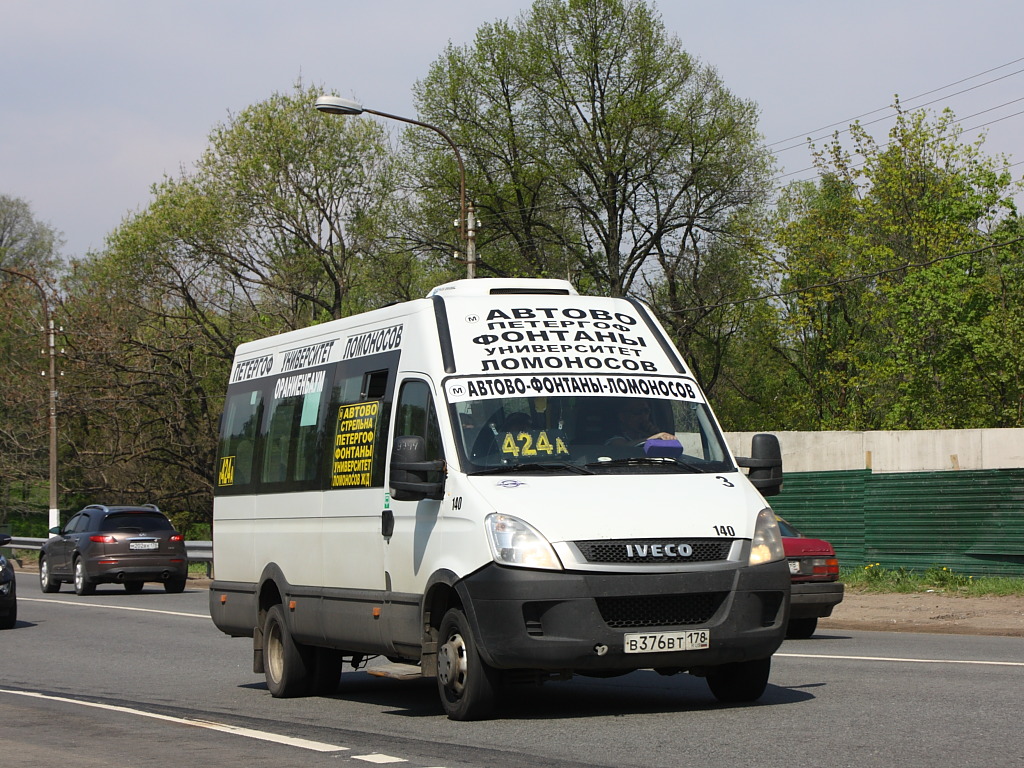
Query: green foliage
[283,223]
[873,577]
[890,266]
[29,267]
[596,148]
[27,244]
[29,525]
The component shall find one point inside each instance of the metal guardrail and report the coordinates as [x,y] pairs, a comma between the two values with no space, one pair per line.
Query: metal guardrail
[198,551]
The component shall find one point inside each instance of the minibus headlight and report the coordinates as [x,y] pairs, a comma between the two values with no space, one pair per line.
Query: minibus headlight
[766,545]
[514,542]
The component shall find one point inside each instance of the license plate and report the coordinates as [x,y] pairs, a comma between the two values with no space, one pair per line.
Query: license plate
[143,545]
[665,642]
[794,566]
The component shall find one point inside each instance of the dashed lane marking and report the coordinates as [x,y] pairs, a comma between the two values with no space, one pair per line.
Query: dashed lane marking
[113,607]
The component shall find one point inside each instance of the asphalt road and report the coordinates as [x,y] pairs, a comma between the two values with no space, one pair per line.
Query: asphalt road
[147,680]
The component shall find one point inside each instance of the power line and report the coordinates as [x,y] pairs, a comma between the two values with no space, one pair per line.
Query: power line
[965,130]
[907,101]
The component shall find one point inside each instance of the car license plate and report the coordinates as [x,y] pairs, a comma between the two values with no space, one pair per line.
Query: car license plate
[794,566]
[665,642]
[144,545]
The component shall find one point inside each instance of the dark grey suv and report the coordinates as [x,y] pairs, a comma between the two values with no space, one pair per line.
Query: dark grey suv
[124,545]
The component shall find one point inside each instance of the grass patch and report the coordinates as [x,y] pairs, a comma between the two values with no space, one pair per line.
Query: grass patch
[875,578]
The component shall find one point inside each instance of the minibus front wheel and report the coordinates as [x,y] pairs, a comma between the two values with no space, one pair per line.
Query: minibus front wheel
[740,682]
[467,685]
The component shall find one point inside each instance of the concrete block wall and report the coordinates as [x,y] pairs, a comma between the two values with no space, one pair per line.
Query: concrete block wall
[894,451]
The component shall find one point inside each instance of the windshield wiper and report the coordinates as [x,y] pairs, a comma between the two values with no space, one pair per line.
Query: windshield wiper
[540,466]
[648,461]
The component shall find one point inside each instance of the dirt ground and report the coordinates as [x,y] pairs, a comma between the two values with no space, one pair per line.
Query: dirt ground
[928,612]
[917,612]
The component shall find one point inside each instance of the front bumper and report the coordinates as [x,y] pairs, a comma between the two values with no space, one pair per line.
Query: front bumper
[560,621]
[815,599]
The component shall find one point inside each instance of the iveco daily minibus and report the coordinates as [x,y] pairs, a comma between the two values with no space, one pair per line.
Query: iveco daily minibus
[503,482]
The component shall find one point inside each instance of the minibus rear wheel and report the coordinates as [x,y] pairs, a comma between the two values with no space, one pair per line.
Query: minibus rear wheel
[467,685]
[288,666]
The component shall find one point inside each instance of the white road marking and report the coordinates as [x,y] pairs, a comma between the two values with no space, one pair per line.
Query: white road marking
[316,746]
[893,658]
[112,607]
[375,758]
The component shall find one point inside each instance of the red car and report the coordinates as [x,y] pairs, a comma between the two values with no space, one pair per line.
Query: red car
[815,580]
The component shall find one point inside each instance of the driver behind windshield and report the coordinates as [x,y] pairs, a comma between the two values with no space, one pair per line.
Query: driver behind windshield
[634,425]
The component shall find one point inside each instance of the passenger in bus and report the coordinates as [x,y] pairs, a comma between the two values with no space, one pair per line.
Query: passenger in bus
[517,422]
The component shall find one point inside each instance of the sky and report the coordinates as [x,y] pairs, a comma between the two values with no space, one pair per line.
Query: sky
[101,99]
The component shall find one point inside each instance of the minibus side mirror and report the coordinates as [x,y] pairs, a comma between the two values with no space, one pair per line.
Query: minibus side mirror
[410,472]
[765,464]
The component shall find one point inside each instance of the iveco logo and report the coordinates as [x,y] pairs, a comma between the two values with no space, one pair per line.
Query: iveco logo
[658,550]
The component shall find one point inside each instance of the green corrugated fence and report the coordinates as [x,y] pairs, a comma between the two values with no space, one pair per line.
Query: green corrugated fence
[969,521]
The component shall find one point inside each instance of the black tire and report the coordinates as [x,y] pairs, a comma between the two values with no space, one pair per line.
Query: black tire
[742,682]
[83,584]
[174,585]
[467,685]
[801,629]
[327,664]
[288,666]
[46,582]
[134,587]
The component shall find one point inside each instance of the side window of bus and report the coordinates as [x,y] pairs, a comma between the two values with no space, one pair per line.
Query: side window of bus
[237,450]
[416,416]
[291,437]
[360,404]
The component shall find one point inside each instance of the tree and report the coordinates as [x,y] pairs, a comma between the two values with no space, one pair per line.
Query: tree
[27,244]
[282,223]
[596,147]
[29,264]
[893,261]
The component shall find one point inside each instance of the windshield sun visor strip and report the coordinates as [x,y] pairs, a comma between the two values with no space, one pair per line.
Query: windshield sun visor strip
[444,334]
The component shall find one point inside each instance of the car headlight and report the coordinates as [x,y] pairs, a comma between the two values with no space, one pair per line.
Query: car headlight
[514,542]
[766,544]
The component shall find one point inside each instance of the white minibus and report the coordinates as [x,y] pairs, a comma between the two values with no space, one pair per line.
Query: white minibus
[502,483]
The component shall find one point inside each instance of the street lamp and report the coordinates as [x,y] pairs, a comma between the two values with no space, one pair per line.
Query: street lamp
[335,105]
[50,338]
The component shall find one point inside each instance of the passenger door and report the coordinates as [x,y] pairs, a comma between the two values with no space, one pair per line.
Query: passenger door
[409,528]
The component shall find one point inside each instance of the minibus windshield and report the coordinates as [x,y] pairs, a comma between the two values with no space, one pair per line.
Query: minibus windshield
[614,427]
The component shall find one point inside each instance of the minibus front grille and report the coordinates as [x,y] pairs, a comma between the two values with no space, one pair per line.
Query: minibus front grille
[645,611]
[654,551]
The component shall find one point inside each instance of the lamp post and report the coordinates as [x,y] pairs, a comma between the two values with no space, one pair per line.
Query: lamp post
[50,343]
[335,105]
